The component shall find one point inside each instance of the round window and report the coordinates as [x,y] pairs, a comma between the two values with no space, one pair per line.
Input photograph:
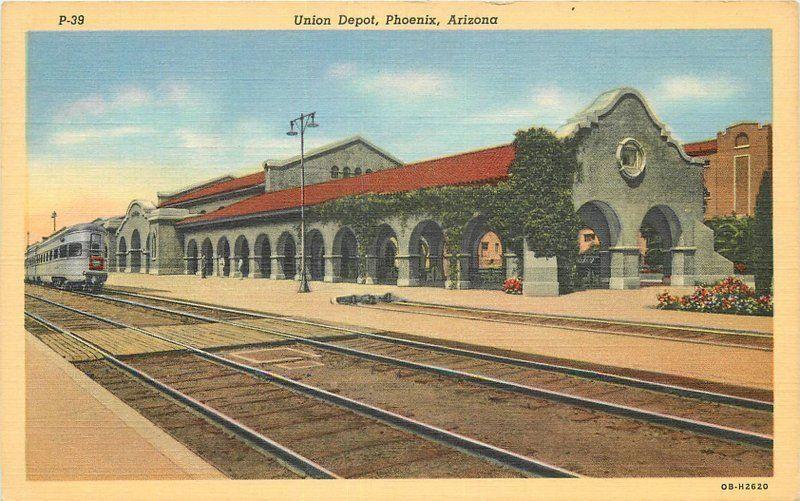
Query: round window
[631,158]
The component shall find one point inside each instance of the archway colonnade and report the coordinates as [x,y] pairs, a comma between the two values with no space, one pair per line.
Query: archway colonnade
[410,254]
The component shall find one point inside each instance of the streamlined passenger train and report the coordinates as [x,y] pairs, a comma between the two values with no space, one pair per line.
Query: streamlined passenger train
[70,259]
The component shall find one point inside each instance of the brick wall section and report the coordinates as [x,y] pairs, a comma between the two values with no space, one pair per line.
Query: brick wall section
[732,188]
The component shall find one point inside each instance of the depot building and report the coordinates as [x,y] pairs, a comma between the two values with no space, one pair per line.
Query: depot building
[634,176]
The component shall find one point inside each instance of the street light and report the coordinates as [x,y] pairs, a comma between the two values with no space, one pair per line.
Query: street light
[53,215]
[301,122]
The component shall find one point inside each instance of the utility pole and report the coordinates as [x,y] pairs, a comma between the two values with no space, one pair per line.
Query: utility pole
[53,215]
[303,121]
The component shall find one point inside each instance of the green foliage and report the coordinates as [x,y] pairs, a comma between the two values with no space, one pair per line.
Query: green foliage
[534,203]
[733,238]
[762,235]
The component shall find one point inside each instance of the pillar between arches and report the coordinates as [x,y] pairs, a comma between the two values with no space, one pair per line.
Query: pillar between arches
[683,269]
[405,268]
[333,269]
[624,268]
[277,268]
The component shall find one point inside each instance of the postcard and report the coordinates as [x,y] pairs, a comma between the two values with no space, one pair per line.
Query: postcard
[390,250]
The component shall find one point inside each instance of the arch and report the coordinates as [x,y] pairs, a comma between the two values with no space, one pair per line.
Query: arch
[427,244]
[487,267]
[346,172]
[386,249]
[659,232]
[368,171]
[191,257]
[594,262]
[263,252]
[224,256]
[207,257]
[287,248]
[345,246]
[741,140]
[315,255]
[335,172]
[122,261]
[136,252]
[148,256]
[357,172]
[241,253]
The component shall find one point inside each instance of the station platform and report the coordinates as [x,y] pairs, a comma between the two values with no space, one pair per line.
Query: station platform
[723,364]
[77,430]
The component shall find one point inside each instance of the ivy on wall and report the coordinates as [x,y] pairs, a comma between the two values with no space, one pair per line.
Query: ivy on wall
[534,203]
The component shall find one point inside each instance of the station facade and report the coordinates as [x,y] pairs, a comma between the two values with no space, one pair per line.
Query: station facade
[633,174]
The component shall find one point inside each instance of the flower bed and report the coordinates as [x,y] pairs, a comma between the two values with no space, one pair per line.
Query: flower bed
[728,296]
[512,286]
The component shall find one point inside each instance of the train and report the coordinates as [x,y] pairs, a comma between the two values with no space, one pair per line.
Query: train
[70,258]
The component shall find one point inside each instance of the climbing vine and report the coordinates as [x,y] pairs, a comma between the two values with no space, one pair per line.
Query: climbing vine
[534,203]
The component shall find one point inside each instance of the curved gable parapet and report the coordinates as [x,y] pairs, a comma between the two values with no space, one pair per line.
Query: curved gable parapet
[604,103]
[144,207]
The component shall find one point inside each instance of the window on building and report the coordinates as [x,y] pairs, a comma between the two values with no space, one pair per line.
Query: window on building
[368,171]
[334,172]
[485,246]
[357,172]
[346,172]
[588,237]
[742,140]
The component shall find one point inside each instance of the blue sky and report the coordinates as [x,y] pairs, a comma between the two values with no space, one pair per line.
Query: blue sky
[149,111]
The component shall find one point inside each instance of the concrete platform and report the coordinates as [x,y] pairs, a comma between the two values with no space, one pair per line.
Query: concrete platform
[76,430]
[729,365]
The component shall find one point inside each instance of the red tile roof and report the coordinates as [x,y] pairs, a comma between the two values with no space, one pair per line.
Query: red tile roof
[476,167]
[701,148]
[238,183]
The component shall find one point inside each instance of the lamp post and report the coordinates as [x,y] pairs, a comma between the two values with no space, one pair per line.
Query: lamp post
[53,216]
[301,122]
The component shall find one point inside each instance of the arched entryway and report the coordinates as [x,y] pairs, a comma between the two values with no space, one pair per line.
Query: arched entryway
[207,262]
[427,246]
[136,252]
[487,263]
[386,247]
[122,254]
[601,231]
[263,256]
[147,253]
[224,257]
[191,258]
[241,253]
[315,255]
[287,249]
[346,247]
[659,232]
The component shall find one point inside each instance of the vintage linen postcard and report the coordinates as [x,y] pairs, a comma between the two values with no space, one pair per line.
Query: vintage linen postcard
[334,250]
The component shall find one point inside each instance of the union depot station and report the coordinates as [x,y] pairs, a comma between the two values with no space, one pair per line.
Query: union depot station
[633,175]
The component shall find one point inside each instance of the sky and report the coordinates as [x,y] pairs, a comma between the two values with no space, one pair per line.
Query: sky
[114,116]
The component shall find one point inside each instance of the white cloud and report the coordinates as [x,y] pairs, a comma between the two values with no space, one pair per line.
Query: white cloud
[681,87]
[96,134]
[545,105]
[199,140]
[343,70]
[406,84]
[130,98]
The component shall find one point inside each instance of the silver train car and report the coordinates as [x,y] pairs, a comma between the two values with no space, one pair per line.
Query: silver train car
[69,259]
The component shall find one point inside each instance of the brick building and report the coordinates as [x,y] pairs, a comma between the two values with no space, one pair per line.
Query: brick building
[736,160]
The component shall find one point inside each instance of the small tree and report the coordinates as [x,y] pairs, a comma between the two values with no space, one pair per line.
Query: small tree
[762,235]
[733,238]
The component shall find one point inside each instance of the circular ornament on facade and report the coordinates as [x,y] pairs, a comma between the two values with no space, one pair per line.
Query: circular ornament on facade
[631,158]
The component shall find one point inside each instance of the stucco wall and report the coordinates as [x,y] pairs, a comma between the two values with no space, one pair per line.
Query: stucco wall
[318,168]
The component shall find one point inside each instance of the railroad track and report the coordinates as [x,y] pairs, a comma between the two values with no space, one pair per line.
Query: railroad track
[518,380]
[684,334]
[377,443]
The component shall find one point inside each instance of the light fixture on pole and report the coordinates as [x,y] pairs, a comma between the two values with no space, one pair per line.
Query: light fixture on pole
[301,122]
